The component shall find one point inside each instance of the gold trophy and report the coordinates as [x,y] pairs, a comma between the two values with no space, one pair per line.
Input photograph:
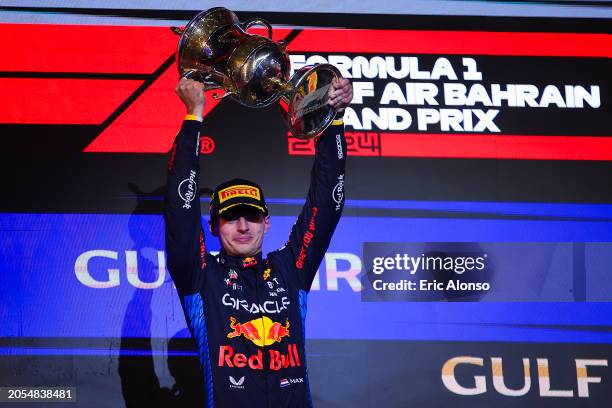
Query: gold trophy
[216,50]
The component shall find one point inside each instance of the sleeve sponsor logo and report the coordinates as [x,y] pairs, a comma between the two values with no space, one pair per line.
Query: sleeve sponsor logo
[339,146]
[239,191]
[187,189]
[172,156]
[338,192]
[308,236]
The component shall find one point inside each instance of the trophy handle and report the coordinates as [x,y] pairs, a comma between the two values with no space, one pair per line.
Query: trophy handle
[193,74]
[257,21]
[212,80]
[217,97]
[286,88]
[177,30]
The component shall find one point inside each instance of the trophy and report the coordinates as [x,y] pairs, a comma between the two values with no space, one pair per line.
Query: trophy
[215,49]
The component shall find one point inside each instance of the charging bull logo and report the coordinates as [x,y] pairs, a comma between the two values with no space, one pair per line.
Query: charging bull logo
[248,262]
[261,331]
[312,82]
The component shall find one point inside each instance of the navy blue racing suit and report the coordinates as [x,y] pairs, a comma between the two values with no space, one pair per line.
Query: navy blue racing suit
[247,315]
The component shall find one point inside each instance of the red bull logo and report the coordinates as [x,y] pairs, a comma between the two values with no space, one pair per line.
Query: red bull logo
[261,331]
[308,236]
[312,82]
[248,262]
[228,357]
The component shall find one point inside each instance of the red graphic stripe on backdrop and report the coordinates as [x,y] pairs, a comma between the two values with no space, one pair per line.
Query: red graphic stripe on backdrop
[61,101]
[88,48]
[84,48]
[151,122]
[453,42]
[496,146]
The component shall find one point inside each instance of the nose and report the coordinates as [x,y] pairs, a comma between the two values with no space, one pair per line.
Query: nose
[242,224]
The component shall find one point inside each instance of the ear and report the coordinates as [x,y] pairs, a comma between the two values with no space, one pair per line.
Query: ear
[213,228]
[267,223]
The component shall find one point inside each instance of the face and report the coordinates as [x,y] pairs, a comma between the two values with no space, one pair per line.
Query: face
[241,231]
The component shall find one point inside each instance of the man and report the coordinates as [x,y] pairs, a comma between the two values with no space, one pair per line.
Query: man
[246,312]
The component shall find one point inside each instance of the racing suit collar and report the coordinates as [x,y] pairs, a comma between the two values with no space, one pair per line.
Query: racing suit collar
[239,262]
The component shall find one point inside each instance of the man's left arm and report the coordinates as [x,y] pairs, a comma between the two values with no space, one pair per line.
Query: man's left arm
[313,230]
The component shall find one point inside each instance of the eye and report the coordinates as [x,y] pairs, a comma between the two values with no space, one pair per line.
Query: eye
[255,218]
[230,217]
[251,216]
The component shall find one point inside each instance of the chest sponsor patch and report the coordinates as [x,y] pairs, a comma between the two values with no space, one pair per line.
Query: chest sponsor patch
[236,383]
[269,306]
[228,357]
[261,331]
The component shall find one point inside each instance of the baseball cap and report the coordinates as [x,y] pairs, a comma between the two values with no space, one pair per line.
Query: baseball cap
[234,193]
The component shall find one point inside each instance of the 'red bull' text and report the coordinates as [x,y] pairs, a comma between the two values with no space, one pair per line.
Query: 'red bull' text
[278,360]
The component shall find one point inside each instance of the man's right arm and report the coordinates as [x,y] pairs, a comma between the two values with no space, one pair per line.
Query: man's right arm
[185,247]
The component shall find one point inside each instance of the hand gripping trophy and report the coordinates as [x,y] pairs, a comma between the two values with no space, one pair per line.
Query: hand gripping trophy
[216,50]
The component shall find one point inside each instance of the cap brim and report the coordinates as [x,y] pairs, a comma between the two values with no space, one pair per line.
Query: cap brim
[260,208]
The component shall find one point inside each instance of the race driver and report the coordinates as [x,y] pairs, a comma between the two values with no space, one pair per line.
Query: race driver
[246,312]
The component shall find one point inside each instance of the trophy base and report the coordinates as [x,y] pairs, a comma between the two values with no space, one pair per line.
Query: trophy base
[309,112]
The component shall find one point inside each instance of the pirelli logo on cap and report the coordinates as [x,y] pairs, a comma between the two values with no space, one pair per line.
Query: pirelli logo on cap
[239,191]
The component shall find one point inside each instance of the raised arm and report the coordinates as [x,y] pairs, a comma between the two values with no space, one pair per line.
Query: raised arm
[185,247]
[312,232]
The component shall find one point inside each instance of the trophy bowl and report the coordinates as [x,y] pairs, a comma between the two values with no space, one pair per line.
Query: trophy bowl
[258,70]
[207,41]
